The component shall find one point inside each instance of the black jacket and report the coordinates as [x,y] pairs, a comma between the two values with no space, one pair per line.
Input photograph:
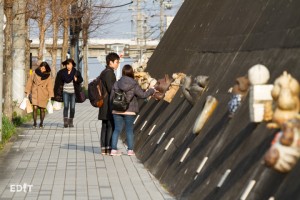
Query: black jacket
[132,90]
[108,79]
[59,85]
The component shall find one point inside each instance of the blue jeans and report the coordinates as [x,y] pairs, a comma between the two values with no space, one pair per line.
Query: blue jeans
[119,121]
[69,100]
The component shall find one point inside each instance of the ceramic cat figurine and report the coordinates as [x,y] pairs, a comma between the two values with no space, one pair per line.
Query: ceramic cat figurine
[209,107]
[239,92]
[174,87]
[285,94]
[285,150]
[192,92]
[161,86]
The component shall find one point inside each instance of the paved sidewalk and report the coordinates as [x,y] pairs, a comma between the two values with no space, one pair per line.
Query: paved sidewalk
[65,163]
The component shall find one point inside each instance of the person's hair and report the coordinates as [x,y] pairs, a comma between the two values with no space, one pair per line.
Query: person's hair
[112,57]
[70,60]
[128,71]
[46,65]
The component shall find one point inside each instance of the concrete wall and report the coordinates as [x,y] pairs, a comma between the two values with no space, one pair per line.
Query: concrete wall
[221,39]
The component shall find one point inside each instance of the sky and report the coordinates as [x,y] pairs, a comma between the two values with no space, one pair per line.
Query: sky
[124,20]
[124,26]
[124,17]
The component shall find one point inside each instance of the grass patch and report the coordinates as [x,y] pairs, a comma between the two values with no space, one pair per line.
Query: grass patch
[18,120]
[9,127]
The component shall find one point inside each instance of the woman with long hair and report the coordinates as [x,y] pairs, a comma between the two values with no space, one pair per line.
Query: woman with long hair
[40,87]
[133,91]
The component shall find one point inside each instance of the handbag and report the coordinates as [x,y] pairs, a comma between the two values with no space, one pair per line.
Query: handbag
[57,105]
[49,107]
[23,104]
[81,97]
[29,107]
[119,101]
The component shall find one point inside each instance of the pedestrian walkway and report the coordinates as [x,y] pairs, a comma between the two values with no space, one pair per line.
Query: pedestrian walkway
[66,163]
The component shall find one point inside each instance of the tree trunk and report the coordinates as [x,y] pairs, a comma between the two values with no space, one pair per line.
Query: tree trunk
[85,66]
[54,46]
[1,65]
[27,57]
[42,30]
[19,43]
[65,44]
[7,89]
[55,5]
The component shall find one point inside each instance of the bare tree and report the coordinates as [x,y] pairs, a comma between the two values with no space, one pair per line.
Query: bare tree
[38,11]
[56,12]
[94,17]
[65,5]
[27,48]
[8,104]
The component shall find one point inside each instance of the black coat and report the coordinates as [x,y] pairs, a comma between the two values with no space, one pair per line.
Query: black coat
[59,85]
[108,79]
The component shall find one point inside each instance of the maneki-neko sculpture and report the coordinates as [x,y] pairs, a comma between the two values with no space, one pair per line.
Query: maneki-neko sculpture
[144,79]
[193,92]
[161,86]
[209,107]
[284,153]
[260,99]
[174,87]
[239,92]
[141,64]
[285,94]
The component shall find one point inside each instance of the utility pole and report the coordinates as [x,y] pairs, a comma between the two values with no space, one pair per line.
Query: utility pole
[161,19]
[140,28]
[163,5]
[1,64]
[75,29]
[139,24]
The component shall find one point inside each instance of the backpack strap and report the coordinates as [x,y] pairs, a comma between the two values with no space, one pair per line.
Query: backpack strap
[99,91]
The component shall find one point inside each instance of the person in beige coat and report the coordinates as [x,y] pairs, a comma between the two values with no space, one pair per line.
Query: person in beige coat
[40,86]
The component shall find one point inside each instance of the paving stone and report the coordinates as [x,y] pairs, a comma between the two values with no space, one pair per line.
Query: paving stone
[66,163]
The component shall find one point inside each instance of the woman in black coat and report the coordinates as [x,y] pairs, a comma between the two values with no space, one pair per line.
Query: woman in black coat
[67,89]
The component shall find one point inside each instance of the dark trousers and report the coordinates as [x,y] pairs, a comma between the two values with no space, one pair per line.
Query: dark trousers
[106,133]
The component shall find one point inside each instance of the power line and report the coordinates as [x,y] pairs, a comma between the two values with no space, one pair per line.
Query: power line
[115,6]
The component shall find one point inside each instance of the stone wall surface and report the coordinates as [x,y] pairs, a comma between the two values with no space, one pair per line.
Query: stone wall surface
[220,39]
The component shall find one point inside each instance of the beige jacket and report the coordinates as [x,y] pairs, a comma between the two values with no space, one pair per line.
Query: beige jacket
[41,90]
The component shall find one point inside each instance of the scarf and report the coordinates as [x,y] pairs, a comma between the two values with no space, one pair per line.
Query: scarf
[67,78]
[44,75]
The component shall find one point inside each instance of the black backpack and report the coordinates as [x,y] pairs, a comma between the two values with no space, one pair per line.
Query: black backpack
[119,101]
[96,92]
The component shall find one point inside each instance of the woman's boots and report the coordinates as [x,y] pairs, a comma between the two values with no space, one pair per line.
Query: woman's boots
[71,123]
[68,122]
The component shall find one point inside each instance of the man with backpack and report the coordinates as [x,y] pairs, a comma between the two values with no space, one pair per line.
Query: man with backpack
[108,79]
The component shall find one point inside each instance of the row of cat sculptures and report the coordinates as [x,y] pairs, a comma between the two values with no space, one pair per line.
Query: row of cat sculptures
[191,88]
[277,104]
[167,86]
